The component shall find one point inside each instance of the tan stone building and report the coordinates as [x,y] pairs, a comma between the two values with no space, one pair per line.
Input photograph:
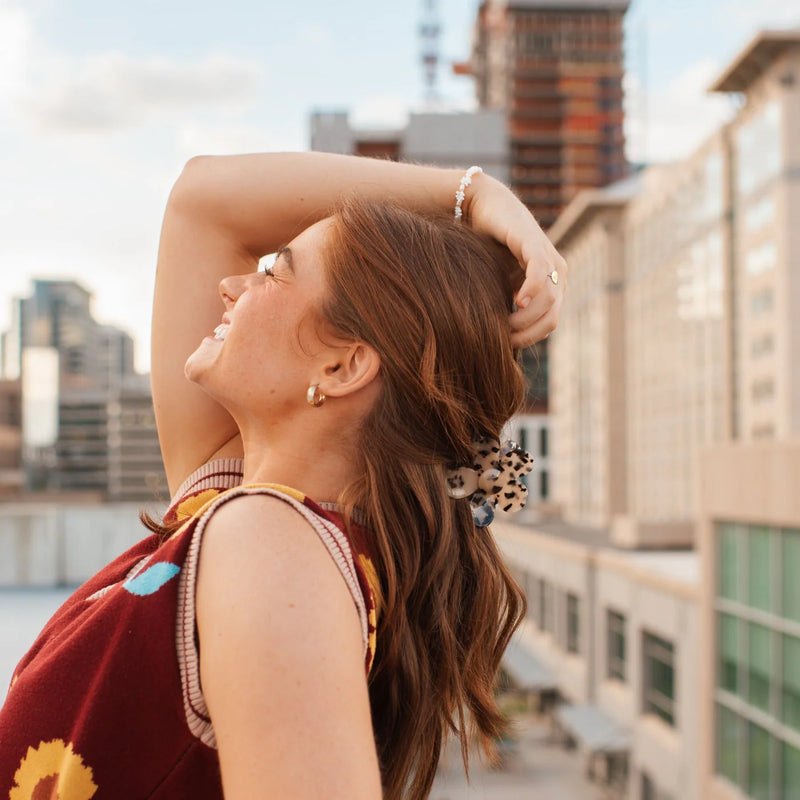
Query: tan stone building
[675,401]
[613,635]
[639,360]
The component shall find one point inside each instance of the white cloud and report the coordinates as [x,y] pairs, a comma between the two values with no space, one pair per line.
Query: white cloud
[113,90]
[670,123]
[315,36]
[16,36]
[193,139]
[748,16]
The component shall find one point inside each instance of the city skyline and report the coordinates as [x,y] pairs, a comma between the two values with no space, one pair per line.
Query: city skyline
[102,109]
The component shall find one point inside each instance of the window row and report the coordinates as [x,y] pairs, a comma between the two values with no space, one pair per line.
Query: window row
[756,760]
[761,666]
[564,622]
[757,566]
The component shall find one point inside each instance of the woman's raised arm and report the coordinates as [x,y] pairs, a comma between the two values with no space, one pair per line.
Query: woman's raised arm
[225,212]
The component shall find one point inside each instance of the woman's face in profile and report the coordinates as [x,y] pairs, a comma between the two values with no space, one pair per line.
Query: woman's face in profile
[260,357]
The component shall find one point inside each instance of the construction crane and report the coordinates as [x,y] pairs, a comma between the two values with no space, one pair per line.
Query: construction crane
[429,32]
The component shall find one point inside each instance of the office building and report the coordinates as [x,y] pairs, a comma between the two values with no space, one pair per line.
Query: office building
[11,474]
[446,139]
[85,421]
[108,443]
[611,638]
[58,315]
[664,603]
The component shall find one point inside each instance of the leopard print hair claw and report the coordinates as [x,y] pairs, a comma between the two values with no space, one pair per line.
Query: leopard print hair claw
[494,479]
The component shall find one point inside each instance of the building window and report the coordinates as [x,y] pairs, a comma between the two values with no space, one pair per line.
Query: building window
[761,302]
[759,573]
[573,624]
[650,791]
[790,569]
[762,390]
[760,214]
[544,602]
[764,345]
[729,560]
[790,777]
[758,148]
[790,690]
[728,649]
[544,484]
[729,737]
[543,442]
[760,259]
[758,665]
[615,643]
[758,763]
[659,678]
[758,659]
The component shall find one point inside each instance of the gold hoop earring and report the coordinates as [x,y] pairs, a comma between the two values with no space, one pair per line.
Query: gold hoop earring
[314,397]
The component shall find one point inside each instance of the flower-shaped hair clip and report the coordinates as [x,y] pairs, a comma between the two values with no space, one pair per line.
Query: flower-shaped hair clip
[492,480]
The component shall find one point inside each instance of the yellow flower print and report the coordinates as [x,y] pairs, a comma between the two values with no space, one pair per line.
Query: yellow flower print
[51,770]
[192,505]
[372,638]
[372,580]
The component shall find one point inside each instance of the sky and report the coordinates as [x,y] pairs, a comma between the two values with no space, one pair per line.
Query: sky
[102,103]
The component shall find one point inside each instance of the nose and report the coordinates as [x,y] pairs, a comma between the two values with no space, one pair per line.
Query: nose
[234,286]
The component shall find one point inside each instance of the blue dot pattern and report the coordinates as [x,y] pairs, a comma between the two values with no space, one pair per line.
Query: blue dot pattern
[152,579]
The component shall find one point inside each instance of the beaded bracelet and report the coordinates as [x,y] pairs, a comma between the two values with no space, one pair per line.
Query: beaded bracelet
[465,181]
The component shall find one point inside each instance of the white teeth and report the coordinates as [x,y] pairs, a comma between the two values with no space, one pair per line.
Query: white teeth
[221,331]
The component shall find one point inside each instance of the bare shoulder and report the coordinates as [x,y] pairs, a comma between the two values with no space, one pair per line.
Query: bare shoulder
[281,658]
[253,526]
[272,554]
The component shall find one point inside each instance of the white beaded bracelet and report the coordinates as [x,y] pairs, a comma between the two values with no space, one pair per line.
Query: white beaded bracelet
[465,181]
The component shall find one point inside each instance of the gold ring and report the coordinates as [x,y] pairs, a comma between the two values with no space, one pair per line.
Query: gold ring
[553,277]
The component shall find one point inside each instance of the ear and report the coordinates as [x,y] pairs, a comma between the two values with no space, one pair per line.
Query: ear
[355,367]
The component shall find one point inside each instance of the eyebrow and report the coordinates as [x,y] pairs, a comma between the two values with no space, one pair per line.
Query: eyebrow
[285,251]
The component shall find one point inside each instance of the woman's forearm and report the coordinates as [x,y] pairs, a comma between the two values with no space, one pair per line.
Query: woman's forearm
[265,200]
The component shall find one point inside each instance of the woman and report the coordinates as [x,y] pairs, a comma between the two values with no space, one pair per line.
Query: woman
[351,378]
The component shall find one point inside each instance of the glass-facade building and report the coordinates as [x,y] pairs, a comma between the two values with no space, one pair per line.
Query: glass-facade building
[757,679]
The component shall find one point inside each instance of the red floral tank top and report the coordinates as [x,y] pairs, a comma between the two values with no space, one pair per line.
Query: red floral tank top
[107,703]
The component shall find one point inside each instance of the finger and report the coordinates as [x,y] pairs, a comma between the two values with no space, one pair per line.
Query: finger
[528,329]
[537,279]
[540,330]
[542,300]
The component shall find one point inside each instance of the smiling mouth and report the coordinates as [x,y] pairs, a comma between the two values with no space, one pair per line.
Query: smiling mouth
[221,331]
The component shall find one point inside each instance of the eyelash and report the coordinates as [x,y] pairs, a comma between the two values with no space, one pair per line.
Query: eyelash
[268,272]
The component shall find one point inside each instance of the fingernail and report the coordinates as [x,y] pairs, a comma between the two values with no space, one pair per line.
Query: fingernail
[522,302]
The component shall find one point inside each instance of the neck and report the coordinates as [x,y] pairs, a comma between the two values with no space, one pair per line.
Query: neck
[317,463]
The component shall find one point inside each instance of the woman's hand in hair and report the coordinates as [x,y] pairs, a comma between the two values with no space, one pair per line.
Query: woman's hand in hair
[493,209]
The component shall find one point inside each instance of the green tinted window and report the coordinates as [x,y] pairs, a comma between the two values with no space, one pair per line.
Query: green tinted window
[790,566]
[791,771]
[758,766]
[758,642]
[728,738]
[616,645]
[728,568]
[728,652]
[790,692]
[659,678]
[759,578]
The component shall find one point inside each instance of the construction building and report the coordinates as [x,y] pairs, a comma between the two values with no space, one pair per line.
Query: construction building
[555,68]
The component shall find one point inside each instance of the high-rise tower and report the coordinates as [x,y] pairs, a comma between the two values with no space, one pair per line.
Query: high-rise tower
[556,67]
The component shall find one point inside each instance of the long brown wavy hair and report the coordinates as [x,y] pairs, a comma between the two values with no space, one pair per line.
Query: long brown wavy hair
[432,297]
